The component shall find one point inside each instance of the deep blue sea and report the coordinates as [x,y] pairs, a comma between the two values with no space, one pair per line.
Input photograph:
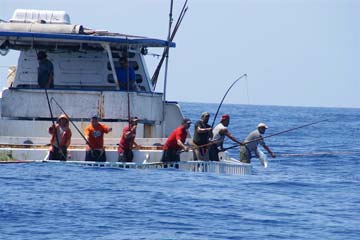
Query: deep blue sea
[310,191]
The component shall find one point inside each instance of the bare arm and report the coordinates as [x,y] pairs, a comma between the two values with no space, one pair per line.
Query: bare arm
[203,130]
[269,151]
[229,135]
[182,145]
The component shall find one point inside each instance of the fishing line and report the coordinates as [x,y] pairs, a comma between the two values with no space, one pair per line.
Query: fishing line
[317,154]
[222,100]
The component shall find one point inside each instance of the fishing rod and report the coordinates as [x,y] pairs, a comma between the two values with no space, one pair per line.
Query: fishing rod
[53,123]
[87,142]
[82,135]
[278,133]
[222,100]
[200,146]
[206,144]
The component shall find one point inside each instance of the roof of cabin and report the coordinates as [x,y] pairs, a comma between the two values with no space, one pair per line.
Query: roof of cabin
[80,38]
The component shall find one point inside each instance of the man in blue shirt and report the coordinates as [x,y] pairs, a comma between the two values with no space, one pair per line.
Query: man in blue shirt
[126,74]
[45,71]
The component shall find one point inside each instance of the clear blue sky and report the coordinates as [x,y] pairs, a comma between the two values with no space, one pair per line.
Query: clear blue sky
[297,53]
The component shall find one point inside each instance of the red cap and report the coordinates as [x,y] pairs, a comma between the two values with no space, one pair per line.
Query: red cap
[224,117]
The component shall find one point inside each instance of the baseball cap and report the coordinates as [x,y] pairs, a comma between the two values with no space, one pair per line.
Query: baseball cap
[262,125]
[63,116]
[205,114]
[224,117]
[186,120]
[134,120]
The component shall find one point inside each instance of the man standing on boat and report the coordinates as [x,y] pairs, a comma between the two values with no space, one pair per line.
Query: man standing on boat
[175,143]
[219,133]
[126,75]
[60,140]
[127,141]
[202,136]
[94,134]
[45,71]
[251,144]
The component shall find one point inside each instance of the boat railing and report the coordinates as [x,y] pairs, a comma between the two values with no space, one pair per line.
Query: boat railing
[222,167]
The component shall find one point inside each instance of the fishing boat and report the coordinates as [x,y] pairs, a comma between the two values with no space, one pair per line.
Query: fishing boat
[85,84]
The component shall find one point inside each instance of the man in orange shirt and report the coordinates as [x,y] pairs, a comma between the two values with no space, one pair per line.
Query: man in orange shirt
[60,139]
[94,134]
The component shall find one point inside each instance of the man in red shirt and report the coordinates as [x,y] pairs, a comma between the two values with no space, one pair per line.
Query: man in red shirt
[127,141]
[175,142]
[94,134]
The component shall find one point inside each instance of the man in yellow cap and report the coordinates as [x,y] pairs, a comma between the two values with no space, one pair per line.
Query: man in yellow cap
[60,139]
[251,144]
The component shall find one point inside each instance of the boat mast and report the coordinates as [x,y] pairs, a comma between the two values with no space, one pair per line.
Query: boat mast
[167,62]
[128,77]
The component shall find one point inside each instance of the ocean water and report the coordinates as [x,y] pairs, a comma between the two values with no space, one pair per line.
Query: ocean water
[310,191]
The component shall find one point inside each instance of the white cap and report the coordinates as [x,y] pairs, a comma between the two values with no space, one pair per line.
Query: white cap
[262,125]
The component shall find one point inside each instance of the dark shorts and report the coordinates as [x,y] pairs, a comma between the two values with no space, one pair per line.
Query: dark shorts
[126,156]
[214,153]
[56,155]
[170,155]
[95,156]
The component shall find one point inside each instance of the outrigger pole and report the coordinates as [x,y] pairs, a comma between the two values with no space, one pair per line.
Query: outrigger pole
[275,134]
[222,100]
[165,52]
[128,77]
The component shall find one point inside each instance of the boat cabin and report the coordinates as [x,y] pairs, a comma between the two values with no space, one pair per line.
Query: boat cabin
[85,62]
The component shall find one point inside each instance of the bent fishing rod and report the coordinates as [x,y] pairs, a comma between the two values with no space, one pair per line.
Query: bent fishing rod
[82,135]
[278,133]
[222,100]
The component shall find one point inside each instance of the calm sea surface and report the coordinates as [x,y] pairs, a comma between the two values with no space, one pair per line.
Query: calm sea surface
[314,194]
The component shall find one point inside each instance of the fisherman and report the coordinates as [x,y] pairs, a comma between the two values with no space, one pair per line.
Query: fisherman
[127,141]
[45,71]
[251,144]
[94,134]
[126,75]
[175,142]
[202,136]
[219,133]
[60,140]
